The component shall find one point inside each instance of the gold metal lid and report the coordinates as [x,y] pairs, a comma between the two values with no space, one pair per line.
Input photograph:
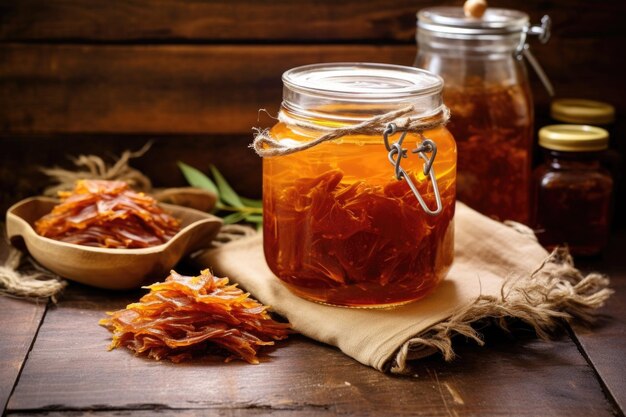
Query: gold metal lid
[575,110]
[573,138]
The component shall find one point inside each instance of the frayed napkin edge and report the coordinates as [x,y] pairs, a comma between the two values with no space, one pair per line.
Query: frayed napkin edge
[554,292]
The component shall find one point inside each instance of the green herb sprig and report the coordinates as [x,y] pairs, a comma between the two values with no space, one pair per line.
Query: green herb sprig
[235,207]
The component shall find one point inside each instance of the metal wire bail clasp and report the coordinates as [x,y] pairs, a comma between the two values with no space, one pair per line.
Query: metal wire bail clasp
[397,152]
[543,33]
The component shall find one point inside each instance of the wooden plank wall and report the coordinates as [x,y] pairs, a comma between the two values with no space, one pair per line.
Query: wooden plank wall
[95,76]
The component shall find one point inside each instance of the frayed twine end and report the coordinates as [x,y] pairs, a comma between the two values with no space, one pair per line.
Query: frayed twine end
[37,284]
[94,167]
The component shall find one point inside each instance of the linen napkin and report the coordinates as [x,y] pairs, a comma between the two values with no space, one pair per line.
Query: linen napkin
[498,271]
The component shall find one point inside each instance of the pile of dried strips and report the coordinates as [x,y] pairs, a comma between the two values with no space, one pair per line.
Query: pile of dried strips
[187,316]
[107,214]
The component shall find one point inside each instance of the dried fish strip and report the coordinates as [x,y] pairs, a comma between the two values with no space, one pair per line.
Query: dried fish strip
[107,214]
[188,316]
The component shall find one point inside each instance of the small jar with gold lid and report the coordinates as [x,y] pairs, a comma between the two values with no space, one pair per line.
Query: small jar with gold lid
[597,113]
[572,191]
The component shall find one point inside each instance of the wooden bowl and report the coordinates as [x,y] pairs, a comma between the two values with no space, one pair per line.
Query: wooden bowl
[117,269]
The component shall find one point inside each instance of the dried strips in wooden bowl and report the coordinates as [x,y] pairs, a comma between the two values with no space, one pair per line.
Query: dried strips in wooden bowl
[187,316]
[107,214]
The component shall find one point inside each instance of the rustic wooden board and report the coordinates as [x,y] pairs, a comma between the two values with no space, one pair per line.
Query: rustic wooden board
[214,412]
[214,89]
[604,343]
[164,89]
[91,76]
[326,20]
[69,369]
[19,321]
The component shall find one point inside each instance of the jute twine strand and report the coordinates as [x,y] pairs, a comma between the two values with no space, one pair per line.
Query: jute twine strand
[36,284]
[265,145]
[94,167]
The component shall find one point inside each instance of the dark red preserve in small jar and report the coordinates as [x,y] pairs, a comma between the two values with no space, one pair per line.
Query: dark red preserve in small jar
[572,191]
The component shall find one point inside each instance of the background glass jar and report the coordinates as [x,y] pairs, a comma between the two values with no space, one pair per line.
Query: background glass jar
[339,227]
[572,191]
[601,114]
[486,87]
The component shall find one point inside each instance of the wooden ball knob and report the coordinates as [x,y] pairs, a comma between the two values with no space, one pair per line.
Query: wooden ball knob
[475,8]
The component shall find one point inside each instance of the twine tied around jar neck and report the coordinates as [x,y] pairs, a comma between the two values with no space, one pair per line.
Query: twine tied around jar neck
[385,124]
[265,145]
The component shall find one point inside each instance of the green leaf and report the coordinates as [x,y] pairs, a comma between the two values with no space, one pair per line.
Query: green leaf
[248,202]
[195,178]
[254,218]
[226,193]
[259,227]
[234,217]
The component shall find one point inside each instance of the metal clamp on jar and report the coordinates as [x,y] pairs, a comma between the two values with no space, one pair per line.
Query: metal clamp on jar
[486,88]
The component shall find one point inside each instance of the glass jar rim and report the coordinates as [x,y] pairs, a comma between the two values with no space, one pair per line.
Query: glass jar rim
[452,20]
[360,81]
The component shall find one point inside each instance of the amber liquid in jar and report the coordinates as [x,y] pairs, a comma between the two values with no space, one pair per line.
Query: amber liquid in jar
[492,125]
[573,202]
[340,229]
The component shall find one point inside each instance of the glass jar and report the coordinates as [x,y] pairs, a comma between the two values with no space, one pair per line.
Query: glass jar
[338,226]
[486,88]
[572,189]
[601,114]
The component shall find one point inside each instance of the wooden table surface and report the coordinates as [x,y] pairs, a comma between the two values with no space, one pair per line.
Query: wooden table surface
[53,361]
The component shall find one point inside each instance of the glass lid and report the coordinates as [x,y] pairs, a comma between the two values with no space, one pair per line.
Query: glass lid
[355,91]
[362,80]
[495,21]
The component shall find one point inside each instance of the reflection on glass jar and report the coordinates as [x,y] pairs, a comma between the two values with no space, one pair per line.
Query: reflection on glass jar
[486,88]
[339,227]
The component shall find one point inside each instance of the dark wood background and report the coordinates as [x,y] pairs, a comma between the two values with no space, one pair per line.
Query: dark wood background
[95,76]
[101,76]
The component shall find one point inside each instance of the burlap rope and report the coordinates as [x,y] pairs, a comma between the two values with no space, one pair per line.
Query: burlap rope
[35,283]
[92,167]
[265,145]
